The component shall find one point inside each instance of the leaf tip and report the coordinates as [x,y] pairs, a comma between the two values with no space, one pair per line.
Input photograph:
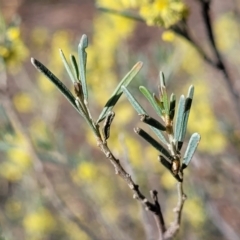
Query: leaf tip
[136,130]
[33,61]
[191,91]
[162,79]
[84,41]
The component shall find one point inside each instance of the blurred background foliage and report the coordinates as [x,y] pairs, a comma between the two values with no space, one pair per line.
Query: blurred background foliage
[83,180]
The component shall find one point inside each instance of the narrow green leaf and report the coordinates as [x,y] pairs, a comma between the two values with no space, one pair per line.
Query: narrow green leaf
[166,163]
[74,66]
[187,107]
[179,118]
[118,91]
[82,64]
[141,111]
[164,96]
[162,79]
[152,122]
[63,89]
[191,148]
[172,106]
[133,101]
[153,142]
[151,99]
[159,135]
[66,65]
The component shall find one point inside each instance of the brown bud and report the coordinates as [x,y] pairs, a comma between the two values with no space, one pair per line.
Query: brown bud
[78,89]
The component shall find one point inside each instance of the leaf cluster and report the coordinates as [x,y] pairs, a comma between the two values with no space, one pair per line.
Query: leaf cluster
[169,131]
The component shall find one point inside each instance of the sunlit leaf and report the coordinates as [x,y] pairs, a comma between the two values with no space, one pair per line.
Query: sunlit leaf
[133,101]
[118,91]
[187,107]
[191,148]
[164,96]
[179,118]
[141,111]
[82,54]
[74,66]
[150,98]
[66,65]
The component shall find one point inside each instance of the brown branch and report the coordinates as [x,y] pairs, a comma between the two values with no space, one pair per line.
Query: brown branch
[174,227]
[182,30]
[160,221]
[219,65]
[119,170]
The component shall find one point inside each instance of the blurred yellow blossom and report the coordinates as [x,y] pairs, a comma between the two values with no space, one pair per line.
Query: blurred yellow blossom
[38,129]
[4,52]
[124,114]
[39,36]
[18,52]
[60,39]
[20,157]
[191,62]
[109,31]
[39,222]
[163,12]
[10,171]
[85,172]
[12,48]
[74,232]
[168,36]
[13,33]
[194,211]
[17,160]
[227,32]
[167,180]
[23,102]
[45,85]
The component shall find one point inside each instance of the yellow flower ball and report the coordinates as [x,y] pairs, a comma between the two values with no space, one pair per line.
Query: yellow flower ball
[23,102]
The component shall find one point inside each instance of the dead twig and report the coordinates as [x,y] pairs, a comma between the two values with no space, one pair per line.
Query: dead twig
[174,227]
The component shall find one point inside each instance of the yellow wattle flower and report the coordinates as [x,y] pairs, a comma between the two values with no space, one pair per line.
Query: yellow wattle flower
[163,12]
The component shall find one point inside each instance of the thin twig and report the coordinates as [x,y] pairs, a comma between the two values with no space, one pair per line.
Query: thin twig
[173,229]
[161,223]
[119,170]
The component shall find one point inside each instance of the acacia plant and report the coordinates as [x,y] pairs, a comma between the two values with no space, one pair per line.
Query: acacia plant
[170,130]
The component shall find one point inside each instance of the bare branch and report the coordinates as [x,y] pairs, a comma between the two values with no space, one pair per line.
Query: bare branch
[173,229]
[219,65]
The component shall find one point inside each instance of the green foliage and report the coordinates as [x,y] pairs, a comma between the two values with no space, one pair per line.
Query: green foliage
[163,106]
[165,109]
